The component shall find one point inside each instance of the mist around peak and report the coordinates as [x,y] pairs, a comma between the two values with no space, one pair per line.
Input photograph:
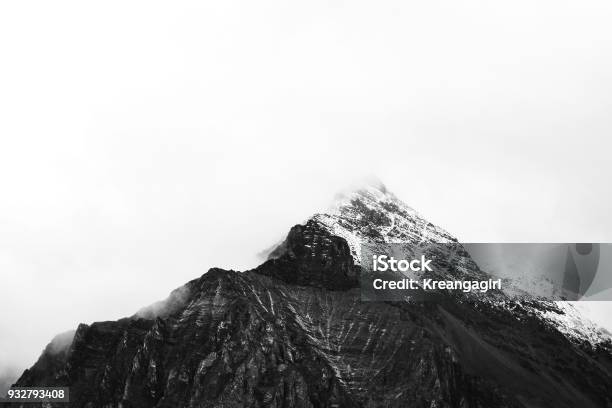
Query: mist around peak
[60,343]
[8,376]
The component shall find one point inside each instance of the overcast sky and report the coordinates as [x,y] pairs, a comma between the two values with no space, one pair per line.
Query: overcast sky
[143,142]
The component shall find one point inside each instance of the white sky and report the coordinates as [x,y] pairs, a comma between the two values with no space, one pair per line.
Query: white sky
[143,142]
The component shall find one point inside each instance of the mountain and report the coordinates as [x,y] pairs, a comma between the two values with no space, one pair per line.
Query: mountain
[294,332]
[8,375]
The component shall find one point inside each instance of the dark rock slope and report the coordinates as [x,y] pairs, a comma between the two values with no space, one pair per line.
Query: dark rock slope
[294,333]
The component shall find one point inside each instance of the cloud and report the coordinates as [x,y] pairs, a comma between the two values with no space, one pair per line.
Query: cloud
[8,376]
[196,135]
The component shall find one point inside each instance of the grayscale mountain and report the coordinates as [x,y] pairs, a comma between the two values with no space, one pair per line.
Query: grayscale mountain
[293,332]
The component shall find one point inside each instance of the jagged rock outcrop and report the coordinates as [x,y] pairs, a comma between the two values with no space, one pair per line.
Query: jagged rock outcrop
[294,333]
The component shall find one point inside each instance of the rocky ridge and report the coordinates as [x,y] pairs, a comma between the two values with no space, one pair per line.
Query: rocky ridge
[294,332]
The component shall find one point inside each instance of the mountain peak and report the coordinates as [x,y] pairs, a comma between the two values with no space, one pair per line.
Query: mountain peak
[295,332]
[371,214]
[326,250]
[371,186]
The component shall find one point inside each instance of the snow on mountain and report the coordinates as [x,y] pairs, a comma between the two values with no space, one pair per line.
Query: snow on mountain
[373,214]
[294,332]
[372,217]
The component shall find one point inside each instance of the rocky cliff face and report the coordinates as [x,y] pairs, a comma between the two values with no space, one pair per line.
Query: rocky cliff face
[294,333]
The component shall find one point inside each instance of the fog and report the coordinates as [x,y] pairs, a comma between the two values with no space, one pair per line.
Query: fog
[142,143]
